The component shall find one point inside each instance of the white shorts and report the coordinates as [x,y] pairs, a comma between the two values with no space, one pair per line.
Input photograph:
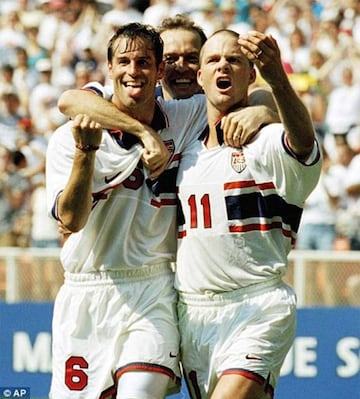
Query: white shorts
[109,323]
[248,332]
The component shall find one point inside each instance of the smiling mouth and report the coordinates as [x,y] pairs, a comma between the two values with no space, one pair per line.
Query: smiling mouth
[183,82]
[133,85]
[223,83]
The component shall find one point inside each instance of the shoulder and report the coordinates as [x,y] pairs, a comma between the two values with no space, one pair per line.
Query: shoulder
[187,107]
[64,128]
[271,133]
[105,91]
[61,136]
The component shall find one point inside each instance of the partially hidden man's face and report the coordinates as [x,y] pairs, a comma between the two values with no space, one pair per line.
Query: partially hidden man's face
[181,57]
[134,73]
[225,73]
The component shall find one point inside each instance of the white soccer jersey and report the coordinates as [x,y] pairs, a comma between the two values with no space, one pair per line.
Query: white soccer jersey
[240,212]
[132,222]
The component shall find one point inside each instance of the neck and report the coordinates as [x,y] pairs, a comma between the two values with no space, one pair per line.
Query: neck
[214,116]
[144,116]
[143,113]
[166,95]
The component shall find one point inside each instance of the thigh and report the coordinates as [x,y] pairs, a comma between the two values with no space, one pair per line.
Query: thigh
[83,353]
[259,338]
[142,385]
[239,387]
[152,340]
[198,334]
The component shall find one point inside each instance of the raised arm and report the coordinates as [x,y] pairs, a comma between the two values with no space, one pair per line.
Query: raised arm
[264,51]
[75,202]
[78,101]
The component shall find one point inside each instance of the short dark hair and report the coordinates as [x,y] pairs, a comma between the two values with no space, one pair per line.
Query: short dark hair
[182,21]
[134,30]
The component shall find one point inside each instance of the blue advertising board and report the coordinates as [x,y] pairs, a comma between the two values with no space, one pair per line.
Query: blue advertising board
[324,361]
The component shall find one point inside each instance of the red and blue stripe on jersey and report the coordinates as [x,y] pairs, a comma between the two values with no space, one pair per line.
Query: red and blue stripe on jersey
[255,207]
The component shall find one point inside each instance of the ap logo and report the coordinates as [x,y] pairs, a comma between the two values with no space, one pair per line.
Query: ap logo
[14,392]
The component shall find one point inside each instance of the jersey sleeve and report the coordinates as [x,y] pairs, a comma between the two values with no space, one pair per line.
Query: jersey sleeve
[293,179]
[106,91]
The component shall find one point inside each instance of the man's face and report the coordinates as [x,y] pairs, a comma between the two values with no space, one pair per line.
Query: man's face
[134,73]
[181,56]
[225,72]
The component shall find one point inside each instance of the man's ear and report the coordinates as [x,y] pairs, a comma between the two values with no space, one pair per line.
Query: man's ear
[161,70]
[199,80]
[252,75]
[109,65]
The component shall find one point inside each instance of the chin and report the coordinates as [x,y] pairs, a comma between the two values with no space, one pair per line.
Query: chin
[183,96]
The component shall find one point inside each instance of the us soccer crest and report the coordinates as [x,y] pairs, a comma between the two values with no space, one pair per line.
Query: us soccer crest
[238,161]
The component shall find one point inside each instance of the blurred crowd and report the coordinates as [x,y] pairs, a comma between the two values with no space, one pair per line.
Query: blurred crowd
[47,47]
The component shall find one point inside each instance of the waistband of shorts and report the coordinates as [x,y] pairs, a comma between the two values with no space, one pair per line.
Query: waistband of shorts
[144,272]
[220,298]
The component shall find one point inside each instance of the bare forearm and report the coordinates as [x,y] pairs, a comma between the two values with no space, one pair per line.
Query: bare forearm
[73,102]
[262,96]
[295,117]
[75,201]
[264,51]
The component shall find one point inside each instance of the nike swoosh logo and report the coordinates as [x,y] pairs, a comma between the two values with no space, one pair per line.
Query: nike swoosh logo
[110,179]
[250,356]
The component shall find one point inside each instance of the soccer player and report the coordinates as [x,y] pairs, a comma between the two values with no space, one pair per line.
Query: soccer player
[240,211]
[114,325]
[183,40]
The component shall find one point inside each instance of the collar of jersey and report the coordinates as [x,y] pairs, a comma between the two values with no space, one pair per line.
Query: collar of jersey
[127,140]
[219,132]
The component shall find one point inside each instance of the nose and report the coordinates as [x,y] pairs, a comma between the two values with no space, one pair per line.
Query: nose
[132,68]
[180,63]
[223,64]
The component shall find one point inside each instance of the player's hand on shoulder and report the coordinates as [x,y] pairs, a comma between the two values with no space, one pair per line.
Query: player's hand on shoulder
[240,127]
